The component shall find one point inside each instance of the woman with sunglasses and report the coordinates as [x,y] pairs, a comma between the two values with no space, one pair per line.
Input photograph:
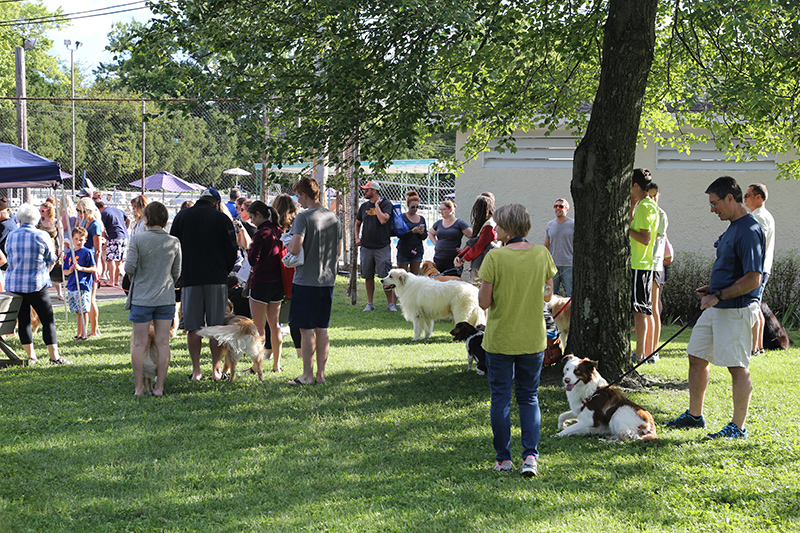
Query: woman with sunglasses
[410,247]
[50,225]
[90,221]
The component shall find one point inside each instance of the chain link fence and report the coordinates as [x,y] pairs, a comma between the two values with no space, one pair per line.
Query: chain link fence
[120,141]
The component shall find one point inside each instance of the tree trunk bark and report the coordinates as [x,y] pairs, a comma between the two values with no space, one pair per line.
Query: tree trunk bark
[601,178]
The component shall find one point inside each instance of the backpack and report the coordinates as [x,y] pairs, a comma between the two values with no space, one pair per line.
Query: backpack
[399,227]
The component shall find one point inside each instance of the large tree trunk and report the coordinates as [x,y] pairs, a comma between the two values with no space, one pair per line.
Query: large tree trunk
[601,178]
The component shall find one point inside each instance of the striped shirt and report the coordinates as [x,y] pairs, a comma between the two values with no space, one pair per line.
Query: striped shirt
[29,259]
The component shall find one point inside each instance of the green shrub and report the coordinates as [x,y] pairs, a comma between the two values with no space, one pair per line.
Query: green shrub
[783,289]
[690,270]
[687,272]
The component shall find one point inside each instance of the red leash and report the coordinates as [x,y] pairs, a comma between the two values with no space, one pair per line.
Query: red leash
[559,311]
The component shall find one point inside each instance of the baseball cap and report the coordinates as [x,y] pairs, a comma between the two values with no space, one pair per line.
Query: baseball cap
[210,193]
[371,184]
[84,193]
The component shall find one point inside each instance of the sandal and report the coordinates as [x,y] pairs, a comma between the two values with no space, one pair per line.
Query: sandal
[249,371]
[60,361]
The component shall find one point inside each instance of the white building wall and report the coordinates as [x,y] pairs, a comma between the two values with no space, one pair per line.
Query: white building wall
[535,179]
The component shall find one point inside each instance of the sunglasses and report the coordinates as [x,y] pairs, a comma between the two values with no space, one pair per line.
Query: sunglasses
[746,195]
[413,206]
[559,207]
[80,210]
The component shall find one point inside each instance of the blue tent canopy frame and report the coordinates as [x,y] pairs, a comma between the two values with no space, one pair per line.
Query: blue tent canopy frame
[21,168]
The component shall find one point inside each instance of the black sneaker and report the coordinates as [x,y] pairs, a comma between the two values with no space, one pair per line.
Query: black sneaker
[731,431]
[686,421]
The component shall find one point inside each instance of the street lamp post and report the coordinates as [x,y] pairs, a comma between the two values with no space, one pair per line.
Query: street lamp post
[72,49]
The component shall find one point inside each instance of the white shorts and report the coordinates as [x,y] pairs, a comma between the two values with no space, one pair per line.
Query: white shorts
[723,337]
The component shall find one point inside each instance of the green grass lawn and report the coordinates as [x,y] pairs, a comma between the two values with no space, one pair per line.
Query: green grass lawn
[397,440]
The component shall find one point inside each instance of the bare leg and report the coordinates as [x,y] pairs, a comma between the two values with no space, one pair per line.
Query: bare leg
[390,296]
[216,358]
[94,312]
[323,346]
[655,337]
[758,332]
[415,267]
[404,266]
[369,283]
[640,323]
[195,343]
[161,328]
[742,388]
[30,353]
[309,342]
[273,313]
[139,342]
[699,374]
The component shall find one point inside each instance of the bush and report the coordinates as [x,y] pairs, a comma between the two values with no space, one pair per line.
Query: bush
[690,270]
[783,289]
[687,272]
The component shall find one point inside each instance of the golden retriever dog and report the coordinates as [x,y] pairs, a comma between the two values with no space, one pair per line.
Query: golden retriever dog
[425,300]
[429,269]
[237,336]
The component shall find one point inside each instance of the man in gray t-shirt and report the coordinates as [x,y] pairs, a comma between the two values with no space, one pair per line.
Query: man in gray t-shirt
[318,233]
[558,239]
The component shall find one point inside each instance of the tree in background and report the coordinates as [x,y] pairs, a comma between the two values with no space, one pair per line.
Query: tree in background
[332,75]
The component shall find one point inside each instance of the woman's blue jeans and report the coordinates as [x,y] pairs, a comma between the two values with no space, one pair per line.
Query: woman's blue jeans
[523,372]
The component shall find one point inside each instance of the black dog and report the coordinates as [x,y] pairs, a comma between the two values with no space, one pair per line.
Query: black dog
[775,337]
[473,338]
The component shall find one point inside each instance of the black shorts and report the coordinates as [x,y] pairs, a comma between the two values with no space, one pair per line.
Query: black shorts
[642,293]
[267,292]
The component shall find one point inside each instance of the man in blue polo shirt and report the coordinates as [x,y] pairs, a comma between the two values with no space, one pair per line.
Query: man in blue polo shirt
[723,333]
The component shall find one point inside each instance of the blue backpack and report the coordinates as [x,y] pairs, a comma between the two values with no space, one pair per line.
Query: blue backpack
[399,227]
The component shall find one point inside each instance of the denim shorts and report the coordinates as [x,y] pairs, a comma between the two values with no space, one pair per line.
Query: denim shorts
[142,313]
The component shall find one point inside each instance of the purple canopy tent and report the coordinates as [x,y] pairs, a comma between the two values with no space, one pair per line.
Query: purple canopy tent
[166,182]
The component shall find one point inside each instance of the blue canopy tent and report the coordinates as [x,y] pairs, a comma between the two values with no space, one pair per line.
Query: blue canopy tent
[21,168]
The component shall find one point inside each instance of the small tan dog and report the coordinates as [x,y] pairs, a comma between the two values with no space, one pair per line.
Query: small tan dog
[150,363]
[560,308]
[429,269]
[237,336]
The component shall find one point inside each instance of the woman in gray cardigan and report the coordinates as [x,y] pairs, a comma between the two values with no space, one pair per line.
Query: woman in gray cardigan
[153,265]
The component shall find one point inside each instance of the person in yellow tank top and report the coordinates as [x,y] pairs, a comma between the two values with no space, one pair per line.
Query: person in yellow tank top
[644,226]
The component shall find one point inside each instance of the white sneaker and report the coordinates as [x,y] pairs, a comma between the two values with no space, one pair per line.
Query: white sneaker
[504,466]
[369,307]
[391,307]
[529,467]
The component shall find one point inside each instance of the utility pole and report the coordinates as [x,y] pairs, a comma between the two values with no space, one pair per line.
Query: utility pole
[22,100]
[72,51]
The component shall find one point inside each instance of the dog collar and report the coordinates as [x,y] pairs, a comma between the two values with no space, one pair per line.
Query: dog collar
[585,403]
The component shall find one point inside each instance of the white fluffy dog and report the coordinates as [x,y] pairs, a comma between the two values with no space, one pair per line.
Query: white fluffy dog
[425,300]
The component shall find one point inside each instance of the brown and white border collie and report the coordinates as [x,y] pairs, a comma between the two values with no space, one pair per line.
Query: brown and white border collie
[599,409]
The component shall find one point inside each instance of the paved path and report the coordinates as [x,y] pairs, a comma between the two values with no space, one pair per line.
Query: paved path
[104,294]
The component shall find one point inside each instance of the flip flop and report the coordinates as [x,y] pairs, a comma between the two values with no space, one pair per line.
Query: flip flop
[60,361]
[249,371]
[296,381]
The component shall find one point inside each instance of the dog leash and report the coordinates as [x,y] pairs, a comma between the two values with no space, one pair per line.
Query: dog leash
[643,361]
[559,311]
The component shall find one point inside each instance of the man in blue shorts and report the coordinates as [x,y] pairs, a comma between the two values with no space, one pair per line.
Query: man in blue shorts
[723,333]
[208,248]
[116,224]
[318,233]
